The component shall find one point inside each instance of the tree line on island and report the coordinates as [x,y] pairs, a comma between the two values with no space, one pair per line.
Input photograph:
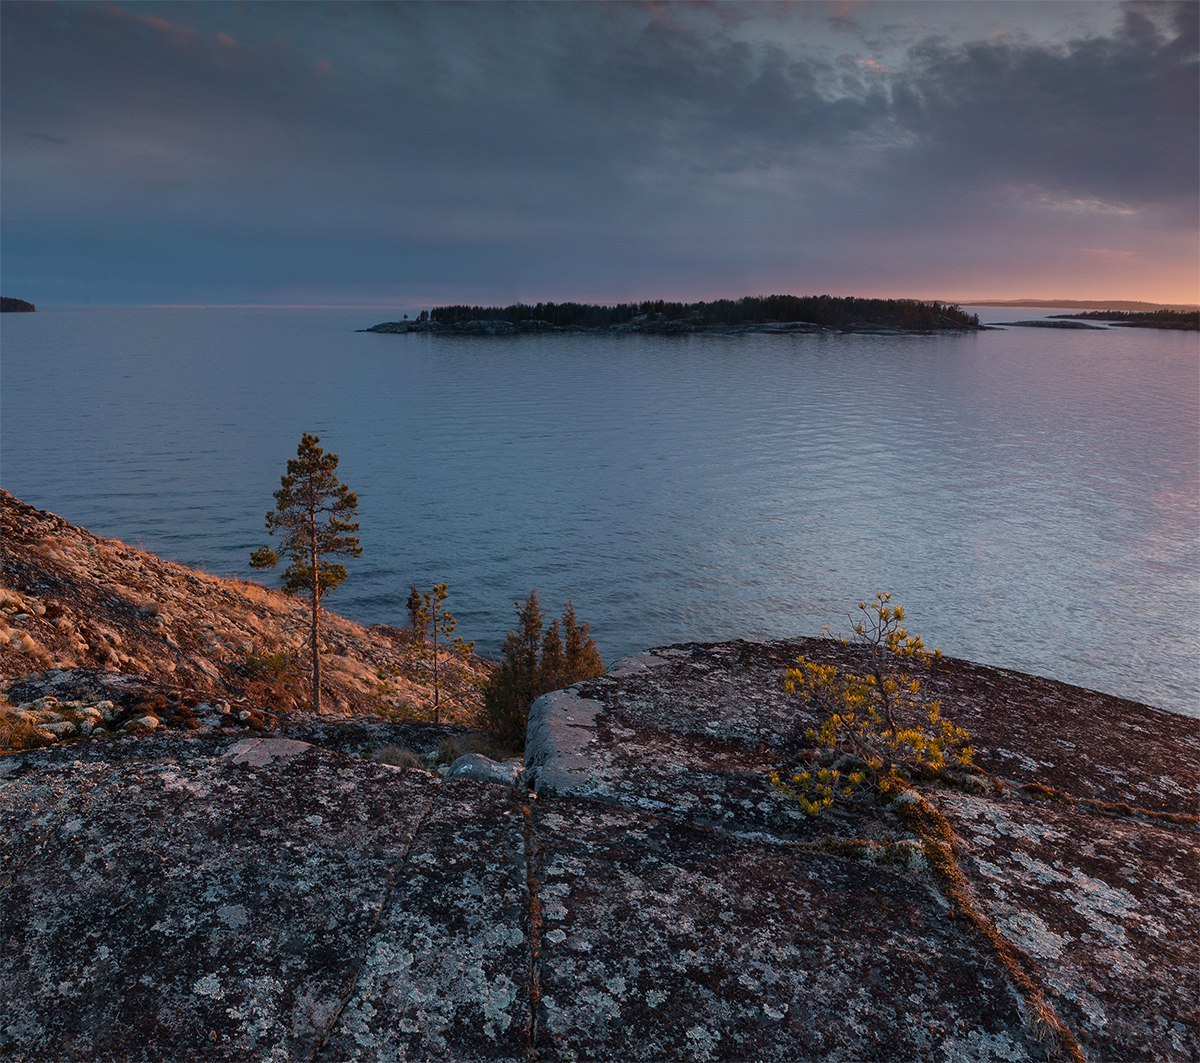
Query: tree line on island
[316,516]
[828,311]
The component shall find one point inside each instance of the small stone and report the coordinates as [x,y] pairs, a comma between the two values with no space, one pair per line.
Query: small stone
[479,768]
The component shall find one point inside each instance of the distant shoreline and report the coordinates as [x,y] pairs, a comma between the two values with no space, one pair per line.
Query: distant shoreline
[1082,304]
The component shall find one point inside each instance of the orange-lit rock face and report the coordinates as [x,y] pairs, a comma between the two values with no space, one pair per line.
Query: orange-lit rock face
[72,602]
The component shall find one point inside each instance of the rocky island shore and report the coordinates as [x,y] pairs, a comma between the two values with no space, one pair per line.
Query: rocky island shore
[651,327]
[642,892]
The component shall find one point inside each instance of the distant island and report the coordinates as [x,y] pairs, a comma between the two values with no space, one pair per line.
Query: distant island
[770,314]
[1178,320]
[1083,304]
[15,306]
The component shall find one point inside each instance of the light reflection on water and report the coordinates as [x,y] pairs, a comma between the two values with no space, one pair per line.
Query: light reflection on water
[1030,495]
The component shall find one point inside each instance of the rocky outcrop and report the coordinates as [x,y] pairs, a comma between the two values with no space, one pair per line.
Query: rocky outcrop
[782,936]
[220,896]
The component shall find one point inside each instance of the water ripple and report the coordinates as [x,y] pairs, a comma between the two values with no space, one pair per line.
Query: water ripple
[1031,495]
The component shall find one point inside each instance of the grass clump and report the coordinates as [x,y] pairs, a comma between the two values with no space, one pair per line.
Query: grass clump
[272,662]
[18,732]
[398,757]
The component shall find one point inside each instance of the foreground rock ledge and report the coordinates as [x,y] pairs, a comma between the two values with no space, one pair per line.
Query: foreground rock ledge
[217,897]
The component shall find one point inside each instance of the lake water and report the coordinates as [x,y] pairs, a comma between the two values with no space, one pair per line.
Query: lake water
[1030,495]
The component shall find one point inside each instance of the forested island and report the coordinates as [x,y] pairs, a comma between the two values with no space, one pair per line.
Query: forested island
[1179,320]
[15,306]
[769,313]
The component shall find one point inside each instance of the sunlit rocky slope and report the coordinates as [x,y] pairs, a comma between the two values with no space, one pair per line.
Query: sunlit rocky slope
[87,619]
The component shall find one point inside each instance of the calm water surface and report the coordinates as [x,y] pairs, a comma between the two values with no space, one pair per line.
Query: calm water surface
[1030,495]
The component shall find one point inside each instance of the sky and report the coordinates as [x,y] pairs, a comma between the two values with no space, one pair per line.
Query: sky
[411,154]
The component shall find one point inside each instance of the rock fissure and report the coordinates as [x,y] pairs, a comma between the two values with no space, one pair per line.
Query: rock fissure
[941,843]
[1035,792]
[352,980]
[532,870]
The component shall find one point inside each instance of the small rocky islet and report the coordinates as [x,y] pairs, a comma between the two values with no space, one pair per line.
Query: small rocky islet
[269,887]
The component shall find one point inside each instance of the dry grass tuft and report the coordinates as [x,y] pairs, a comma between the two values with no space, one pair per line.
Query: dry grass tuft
[398,757]
[17,732]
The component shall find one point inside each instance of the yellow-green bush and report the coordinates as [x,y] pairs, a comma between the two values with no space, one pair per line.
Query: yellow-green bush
[879,729]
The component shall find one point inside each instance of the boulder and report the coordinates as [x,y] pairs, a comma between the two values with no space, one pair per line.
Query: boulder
[478,768]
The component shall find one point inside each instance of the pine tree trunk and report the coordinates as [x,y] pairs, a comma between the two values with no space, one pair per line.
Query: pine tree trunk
[436,699]
[316,606]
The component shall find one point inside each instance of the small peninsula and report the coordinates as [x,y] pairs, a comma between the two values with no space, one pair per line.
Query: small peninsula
[1175,320]
[1046,323]
[758,314]
[9,305]
[1084,304]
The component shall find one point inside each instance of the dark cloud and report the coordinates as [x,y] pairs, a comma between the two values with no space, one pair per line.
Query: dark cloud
[413,151]
[1101,119]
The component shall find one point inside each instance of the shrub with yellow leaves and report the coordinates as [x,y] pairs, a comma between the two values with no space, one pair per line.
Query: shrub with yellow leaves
[879,731]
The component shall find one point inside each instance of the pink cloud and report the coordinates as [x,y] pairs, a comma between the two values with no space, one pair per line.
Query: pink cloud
[176,32]
[325,68]
[225,41]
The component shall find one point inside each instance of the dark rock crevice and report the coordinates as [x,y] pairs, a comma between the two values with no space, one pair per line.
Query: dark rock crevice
[532,873]
[355,972]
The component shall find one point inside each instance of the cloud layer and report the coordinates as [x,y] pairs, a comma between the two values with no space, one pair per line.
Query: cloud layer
[415,153]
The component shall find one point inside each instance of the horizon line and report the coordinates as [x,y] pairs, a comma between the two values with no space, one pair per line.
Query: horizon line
[1017,300]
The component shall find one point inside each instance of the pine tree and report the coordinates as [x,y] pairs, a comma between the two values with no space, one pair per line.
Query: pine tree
[413,605]
[316,516]
[582,657]
[511,688]
[436,653]
[552,668]
[439,623]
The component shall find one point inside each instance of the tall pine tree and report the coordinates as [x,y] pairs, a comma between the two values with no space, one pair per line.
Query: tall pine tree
[317,518]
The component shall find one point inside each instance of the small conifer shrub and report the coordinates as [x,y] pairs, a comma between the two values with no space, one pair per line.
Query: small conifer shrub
[536,659]
[880,730]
